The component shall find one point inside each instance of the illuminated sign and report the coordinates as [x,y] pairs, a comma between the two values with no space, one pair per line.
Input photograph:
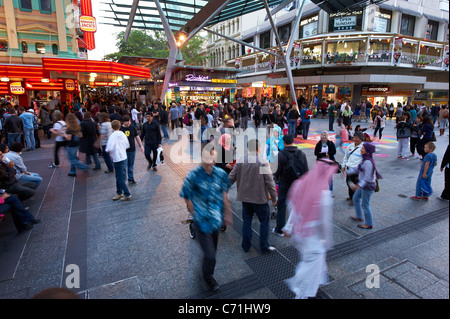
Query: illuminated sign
[197,78]
[106,83]
[70,85]
[86,12]
[16,88]
[223,81]
[88,24]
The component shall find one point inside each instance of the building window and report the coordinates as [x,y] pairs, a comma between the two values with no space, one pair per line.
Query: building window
[3,46]
[284,33]
[432,30]
[382,21]
[40,48]
[55,49]
[408,23]
[46,6]
[264,40]
[246,49]
[25,5]
[24,47]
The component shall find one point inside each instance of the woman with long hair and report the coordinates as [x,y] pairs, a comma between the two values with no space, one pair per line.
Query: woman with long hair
[72,136]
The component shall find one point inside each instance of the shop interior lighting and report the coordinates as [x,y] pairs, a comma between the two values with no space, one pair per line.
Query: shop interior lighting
[5,79]
[45,80]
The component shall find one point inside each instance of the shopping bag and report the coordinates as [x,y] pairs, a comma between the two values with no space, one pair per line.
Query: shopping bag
[158,156]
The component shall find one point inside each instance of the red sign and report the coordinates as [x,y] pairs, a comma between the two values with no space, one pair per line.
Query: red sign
[88,23]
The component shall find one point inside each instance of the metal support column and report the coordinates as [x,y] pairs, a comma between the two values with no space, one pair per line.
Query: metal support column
[173,50]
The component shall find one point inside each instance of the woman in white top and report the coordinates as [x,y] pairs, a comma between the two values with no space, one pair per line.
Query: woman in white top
[105,132]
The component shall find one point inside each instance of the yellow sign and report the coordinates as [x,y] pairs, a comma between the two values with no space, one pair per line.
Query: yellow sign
[16,88]
[88,24]
[223,81]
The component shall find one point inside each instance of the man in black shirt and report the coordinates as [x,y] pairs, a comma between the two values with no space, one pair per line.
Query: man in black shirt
[151,135]
[132,135]
[116,115]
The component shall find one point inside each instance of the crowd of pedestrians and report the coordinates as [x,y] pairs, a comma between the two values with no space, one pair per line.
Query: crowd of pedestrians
[273,170]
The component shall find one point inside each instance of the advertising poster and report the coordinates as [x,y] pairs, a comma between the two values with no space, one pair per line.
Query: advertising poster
[397,49]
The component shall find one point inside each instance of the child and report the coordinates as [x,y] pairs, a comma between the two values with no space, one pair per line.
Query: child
[426,171]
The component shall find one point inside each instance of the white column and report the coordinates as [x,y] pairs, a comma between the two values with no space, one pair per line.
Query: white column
[11,29]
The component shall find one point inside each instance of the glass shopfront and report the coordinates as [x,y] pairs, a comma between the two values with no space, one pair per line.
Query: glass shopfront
[346,51]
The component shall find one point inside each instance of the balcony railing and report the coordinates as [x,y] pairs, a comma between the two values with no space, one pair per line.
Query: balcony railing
[357,52]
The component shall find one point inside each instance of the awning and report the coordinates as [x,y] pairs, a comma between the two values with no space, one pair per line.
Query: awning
[345,5]
[435,15]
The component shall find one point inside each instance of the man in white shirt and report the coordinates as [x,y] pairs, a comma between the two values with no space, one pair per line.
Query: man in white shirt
[117,147]
[352,159]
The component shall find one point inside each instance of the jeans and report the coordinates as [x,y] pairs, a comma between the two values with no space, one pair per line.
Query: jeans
[21,217]
[361,199]
[202,130]
[244,122]
[29,138]
[164,129]
[107,159]
[13,138]
[74,161]
[58,145]
[263,214]
[130,165]
[281,206]
[32,178]
[95,158]
[305,129]
[292,128]
[208,242]
[120,169]
[330,123]
[419,192]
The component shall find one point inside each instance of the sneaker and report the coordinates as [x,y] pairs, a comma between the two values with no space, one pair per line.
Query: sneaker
[133,182]
[53,165]
[270,249]
[155,169]
[124,198]
[412,155]
[107,172]
[442,199]
[97,169]
[416,197]
[273,230]
[399,156]
[117,197]
[405,158]
[72,175]
[424,198]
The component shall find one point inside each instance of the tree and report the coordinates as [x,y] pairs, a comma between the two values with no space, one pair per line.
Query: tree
[154,44]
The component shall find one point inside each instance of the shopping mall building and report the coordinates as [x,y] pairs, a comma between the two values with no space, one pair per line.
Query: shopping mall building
[396,51]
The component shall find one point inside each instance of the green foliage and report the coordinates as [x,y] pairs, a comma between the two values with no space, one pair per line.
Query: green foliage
[154,44]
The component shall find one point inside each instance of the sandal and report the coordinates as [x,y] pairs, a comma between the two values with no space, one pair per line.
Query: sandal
[364,226]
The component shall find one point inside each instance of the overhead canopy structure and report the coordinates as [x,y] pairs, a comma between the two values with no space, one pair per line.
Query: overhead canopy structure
[183,19]
[344,5]
[179,12]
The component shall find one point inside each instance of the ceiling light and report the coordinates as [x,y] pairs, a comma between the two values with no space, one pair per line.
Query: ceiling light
[5,79]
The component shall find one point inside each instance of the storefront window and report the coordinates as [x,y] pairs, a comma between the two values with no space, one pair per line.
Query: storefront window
[345,21]
[346,52]
[409,52]
[407,26]
[430,55]
[308,26]
[246,49]
[264,40]
[55,49]
[46,6]
[311,54]
[24,47]
[3,46]
[379,50]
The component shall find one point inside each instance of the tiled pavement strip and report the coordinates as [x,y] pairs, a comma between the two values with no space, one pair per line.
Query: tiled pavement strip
[139,249]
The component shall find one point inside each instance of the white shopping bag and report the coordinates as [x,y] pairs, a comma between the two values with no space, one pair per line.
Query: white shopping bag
[158,157]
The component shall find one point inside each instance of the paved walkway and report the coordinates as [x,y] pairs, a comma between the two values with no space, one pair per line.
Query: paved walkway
[140,249]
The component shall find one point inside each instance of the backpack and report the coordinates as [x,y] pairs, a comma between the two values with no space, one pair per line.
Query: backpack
[308,114]
[403,132]
[445,114]
[186,119]
[297,165]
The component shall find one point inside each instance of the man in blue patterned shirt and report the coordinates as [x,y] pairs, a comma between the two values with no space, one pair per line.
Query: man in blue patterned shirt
[205,191]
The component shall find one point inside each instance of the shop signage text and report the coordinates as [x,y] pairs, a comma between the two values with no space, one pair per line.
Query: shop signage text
[16,88]
[70,85]
[197,78]
[88,24]
[106,83]
[376,90]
